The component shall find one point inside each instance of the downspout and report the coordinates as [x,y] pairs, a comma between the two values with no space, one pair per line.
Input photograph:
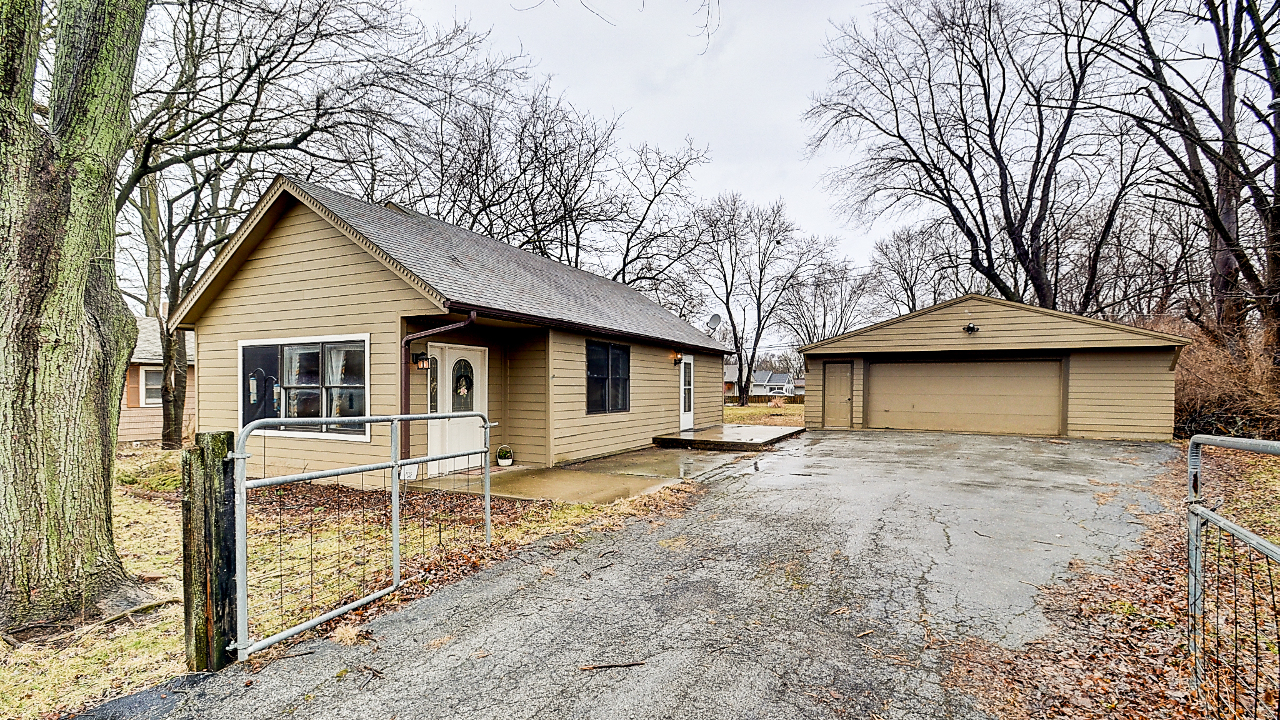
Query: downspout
[406,360]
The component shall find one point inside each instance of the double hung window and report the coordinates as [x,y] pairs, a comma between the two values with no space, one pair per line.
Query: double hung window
[608,377]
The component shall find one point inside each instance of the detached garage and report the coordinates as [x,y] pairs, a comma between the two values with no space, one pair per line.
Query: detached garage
[979,364]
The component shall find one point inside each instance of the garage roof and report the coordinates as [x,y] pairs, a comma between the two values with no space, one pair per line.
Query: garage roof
[1002,325]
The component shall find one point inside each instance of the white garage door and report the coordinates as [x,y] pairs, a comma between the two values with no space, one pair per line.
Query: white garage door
[1022,397]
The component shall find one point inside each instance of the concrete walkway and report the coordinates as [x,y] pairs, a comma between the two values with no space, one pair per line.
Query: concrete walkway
[811,582]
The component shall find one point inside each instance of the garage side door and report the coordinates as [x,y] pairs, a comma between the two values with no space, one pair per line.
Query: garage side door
[1015,397]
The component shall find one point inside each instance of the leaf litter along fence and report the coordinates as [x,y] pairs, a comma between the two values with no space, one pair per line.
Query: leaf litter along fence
[311,546]
[1233,579]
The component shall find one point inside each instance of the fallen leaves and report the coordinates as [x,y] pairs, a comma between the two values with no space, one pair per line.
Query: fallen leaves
[1117,644]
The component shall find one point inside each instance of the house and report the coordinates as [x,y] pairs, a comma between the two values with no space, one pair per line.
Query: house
[982,364]
[799,385]
[141,419]
[322,305]
[764,383]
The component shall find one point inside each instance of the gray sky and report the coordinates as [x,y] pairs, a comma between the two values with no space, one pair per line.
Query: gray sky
[742,95]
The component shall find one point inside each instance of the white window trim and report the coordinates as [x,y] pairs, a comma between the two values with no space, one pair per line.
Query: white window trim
[142,385]
[368,395]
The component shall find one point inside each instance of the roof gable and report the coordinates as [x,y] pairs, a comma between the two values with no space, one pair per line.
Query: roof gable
[1002,325]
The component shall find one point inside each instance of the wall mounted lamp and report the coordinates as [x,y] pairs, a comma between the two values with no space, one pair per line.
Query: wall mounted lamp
[422,360]
[971,328]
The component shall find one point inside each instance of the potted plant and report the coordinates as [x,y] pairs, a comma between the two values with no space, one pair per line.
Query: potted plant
[504,455]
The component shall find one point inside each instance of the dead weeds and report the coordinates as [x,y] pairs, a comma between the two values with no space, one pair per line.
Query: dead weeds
[62,668]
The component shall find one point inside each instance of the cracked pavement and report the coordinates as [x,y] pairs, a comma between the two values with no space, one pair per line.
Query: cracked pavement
[818,580]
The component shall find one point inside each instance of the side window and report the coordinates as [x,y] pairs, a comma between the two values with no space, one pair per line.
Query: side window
[305,380]
[608,377]
[152,378]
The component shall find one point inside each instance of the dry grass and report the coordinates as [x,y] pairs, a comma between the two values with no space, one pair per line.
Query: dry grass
[67,670]
[791,415]
[71,667]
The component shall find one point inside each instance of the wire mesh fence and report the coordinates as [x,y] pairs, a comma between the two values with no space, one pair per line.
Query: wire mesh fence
[315,546]
[311,546]
[1234,623]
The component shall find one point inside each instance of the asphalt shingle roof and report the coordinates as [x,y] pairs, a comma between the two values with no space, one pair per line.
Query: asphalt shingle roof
[147,351]
[474,270]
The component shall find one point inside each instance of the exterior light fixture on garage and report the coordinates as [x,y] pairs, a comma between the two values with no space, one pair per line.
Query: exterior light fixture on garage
[971,328]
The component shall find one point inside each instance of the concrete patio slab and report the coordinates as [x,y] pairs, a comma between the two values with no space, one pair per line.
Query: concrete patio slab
[596,481]
[742,438]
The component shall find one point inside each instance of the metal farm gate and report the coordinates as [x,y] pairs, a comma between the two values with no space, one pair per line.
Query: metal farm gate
[363,531]
[1234,629]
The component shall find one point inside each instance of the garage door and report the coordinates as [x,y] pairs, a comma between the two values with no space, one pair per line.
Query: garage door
[1016,397]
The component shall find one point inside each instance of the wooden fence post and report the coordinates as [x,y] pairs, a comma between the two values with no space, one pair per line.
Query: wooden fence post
[208,551]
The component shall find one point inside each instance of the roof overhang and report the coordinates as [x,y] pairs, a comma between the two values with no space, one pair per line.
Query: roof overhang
[282,195]
[711,346]
[1157,339]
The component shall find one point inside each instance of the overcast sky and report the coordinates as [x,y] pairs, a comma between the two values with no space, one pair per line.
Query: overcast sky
[742,95]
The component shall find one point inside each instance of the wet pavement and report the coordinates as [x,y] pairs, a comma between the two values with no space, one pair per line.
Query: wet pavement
[819,580]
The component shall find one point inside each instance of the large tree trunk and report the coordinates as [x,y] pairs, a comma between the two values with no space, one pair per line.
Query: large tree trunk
[65,332]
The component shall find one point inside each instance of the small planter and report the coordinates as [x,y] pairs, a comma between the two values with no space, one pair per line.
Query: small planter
[504,456]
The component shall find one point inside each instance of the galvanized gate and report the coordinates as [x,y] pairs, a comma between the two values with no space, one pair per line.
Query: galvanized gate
[245,645]
[1234,625]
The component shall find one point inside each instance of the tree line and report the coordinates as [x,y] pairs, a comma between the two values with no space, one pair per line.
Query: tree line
[1111,158]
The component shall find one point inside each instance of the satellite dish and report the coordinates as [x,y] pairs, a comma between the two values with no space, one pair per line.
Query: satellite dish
[713,323]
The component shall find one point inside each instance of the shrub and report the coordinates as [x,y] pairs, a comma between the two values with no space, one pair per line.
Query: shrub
[1219,393]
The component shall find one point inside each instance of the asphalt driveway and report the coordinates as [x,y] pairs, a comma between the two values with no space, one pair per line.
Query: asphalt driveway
[808,582]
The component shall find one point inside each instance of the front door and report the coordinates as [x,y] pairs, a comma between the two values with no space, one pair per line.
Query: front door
[837,393]
[459,383]
[686,393]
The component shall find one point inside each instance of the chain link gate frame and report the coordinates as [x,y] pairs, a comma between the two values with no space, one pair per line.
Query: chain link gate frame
[242,645]
[1249,686]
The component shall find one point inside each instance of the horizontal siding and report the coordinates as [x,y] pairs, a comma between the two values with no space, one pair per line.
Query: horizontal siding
[527,401]
[305,278]
[1001,328]
[1121,395]
[708,394]
[857,393]
[815,397]
[145,424]
[655,401]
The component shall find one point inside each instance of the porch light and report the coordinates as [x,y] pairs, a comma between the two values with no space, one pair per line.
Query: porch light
[422,360]
[679,358]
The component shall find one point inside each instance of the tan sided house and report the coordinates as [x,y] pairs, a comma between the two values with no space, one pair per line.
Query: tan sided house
[141,419]
[979,364]
[307,310]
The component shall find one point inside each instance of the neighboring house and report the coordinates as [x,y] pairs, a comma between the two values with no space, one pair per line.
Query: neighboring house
[764,383]
[980,364]
[140,413]
[306,310]
[798,383]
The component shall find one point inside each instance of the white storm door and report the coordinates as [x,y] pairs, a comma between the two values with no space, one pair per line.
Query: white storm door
[686,393]
[464,387]
[435,388]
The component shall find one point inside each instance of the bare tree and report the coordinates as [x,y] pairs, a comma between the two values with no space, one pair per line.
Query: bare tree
[919,266]
[211,128]
[66,70]
[830,299]
[1211,78]
[983,113]
[750,261]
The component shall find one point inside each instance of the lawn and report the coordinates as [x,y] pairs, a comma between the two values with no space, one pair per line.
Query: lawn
[63,669]
[791,415]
